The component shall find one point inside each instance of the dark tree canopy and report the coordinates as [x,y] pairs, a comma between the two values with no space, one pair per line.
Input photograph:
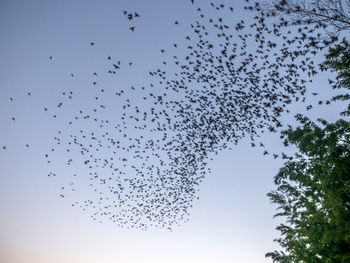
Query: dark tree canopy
[313,190]
[313,195]
[338,60]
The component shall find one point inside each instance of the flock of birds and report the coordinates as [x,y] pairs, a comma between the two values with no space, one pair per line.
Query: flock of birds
[145,168]
[131,16]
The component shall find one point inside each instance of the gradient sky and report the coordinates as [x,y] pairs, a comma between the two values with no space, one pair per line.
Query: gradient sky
[232,220]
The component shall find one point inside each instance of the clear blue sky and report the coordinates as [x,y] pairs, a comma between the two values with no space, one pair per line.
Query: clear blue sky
[232,220]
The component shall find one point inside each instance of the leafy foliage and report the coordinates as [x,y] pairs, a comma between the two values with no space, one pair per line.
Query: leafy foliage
[338,60]
[313,195]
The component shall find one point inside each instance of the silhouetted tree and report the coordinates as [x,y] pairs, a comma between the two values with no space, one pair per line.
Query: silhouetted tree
[331,14]
[313,195]
[338,60]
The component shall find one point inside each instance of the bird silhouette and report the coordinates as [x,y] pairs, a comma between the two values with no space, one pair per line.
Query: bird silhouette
[145,149]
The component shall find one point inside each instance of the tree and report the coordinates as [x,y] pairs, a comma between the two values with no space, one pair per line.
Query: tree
[338,60]
[313,190]
[313,195]
[331,14]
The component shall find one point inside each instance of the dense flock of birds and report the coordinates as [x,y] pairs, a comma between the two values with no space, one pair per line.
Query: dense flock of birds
[145,168]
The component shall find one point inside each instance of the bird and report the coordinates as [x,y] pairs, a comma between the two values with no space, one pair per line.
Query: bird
[145,162]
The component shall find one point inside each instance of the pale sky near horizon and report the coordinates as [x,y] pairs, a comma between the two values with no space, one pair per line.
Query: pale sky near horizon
[231,222]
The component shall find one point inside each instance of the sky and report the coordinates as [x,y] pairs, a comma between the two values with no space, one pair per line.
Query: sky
[230,222]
